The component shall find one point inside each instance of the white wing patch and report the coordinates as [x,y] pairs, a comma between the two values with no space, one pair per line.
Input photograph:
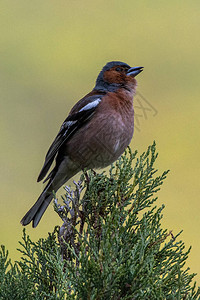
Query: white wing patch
[70,123]
[67,125]
[91,105]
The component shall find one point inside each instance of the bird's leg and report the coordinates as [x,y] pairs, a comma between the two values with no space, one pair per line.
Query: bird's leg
[94,173]
[87,178]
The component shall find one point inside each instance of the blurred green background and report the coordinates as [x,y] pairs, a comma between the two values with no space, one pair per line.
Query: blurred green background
[50,55]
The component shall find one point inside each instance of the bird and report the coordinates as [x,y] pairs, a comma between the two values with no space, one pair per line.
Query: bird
[95,134]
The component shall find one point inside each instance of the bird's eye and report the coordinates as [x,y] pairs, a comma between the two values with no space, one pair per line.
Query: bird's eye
[118,69]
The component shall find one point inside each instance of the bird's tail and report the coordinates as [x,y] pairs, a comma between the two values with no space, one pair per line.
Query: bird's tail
[57,177]
[37,210]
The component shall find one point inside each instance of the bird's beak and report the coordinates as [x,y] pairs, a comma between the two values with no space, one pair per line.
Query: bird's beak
[134,71]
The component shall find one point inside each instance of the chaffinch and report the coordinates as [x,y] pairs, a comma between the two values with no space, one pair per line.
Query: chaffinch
[96,132]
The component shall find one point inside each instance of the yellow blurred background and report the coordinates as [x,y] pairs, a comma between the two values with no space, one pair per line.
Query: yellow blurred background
[50,55]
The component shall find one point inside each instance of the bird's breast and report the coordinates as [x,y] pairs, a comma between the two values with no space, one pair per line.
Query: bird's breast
[104,138]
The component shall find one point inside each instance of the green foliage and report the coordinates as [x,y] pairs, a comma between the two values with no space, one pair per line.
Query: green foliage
[111,244]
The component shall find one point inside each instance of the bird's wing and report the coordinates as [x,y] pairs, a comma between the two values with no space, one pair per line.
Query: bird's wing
[72,123]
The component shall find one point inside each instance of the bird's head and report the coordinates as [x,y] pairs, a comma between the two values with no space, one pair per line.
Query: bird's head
[117,74]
